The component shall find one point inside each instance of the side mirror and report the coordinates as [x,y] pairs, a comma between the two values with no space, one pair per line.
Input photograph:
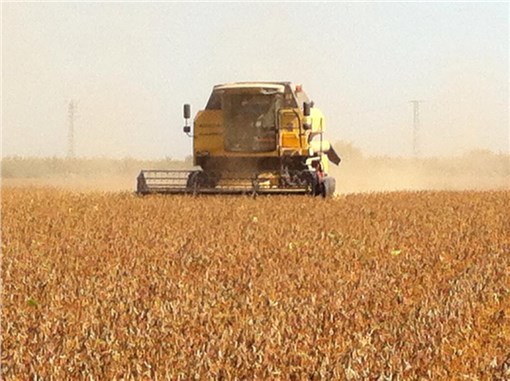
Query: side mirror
[306,109]
[187,111]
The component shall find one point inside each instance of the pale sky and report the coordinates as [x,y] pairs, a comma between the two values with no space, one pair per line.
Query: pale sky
[131,66]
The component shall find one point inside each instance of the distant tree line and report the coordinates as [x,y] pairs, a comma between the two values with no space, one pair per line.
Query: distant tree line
[33,167]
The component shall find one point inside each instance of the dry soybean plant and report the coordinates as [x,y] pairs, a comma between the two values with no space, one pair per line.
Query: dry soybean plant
[389,286]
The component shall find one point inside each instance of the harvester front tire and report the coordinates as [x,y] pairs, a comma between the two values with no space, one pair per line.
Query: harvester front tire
[314,188]
[193,179]
[200,179]
[328,187]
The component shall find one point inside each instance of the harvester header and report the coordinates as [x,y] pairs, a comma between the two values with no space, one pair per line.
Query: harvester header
[252,137]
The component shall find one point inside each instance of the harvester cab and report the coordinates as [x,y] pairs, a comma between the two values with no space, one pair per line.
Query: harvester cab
[252,137]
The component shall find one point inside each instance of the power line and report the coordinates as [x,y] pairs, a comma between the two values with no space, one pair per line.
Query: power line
[70,134]
[416,126]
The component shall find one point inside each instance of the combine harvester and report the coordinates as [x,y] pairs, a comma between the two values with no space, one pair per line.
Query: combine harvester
[252,138]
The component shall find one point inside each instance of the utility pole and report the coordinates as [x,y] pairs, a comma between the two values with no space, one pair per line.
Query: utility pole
[416,126]
[70,134]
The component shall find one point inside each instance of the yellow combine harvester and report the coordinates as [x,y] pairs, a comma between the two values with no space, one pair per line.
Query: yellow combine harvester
[252,137]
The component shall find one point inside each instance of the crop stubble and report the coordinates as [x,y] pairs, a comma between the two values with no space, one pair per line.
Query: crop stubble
[110,285]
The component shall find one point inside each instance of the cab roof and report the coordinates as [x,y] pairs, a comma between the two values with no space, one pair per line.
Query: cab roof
[278,86]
